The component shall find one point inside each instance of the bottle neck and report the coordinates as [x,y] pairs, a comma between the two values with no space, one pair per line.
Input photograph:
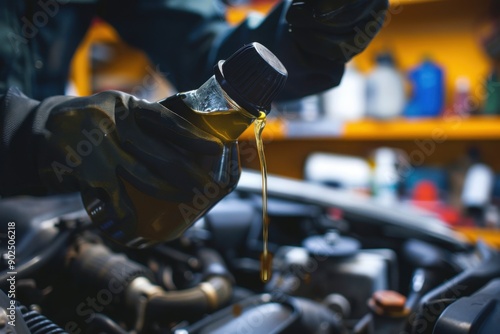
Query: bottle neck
[212,110]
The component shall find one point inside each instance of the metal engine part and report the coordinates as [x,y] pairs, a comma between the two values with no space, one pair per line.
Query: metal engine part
[332,264]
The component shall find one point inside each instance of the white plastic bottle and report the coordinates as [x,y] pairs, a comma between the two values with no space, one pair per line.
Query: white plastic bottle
[347,101]
[476,193]
[385,89]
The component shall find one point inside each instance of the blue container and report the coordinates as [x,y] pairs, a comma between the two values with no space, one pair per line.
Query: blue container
[428,91]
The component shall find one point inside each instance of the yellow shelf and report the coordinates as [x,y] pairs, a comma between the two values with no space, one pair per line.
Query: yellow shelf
[473,128]
[409,2]
[438,129]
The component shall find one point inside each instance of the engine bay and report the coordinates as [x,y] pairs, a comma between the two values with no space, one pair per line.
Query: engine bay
[341,264]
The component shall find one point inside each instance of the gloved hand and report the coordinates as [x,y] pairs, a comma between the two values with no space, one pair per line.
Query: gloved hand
[130,159]
[335,29]
[313,38]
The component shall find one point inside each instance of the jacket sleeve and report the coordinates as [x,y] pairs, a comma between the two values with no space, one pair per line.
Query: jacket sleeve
[19,120]
[22,133]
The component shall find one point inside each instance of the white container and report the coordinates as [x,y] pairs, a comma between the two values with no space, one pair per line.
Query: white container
[385,90]
[347,101]
[345,172]
[478,186]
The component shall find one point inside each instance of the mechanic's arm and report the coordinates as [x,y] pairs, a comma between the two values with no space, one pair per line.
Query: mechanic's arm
[312,38]
[130,159]
[68,144]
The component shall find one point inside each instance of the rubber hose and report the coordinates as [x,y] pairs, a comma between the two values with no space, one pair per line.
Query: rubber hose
[210,295]
[103,324]
[28,267]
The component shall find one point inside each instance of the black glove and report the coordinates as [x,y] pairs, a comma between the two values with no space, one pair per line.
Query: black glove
[133,161]
[313,39]
[335,29]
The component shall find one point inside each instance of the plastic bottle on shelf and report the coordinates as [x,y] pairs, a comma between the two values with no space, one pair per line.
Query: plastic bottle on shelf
[339,171]
[477,191]
[385,176]
[385,89]
[462,103]
[492,101]
[310,108]
[428,90]
[347,101]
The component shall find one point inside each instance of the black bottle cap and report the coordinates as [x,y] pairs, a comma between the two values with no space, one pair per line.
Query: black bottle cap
[252,77]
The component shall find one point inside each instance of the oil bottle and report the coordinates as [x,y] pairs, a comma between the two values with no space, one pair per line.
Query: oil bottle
[206,164]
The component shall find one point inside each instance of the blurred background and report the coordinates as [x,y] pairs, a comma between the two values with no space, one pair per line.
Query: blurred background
[415,120]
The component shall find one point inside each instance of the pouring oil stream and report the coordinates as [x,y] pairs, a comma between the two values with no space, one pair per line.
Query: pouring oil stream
[266,258]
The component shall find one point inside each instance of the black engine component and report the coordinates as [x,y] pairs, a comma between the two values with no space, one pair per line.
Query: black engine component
[479,313]
[464,284]
[331,245]
[269,314]
[36,220]
[39,324]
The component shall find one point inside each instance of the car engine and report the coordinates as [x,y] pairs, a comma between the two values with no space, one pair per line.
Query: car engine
[342,264]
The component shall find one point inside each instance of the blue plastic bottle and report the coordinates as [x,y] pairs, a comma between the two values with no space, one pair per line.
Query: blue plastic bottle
[428,90]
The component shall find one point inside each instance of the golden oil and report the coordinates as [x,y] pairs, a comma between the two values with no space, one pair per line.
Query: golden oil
[266,258]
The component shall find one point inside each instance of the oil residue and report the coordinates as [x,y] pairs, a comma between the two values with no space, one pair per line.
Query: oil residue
[237,310]
[266,258]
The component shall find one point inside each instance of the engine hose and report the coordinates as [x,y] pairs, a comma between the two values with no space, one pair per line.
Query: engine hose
[38,261]
[213,264]
[103,324]
[98,266]
[39,324]
[211,294]
[208,296]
